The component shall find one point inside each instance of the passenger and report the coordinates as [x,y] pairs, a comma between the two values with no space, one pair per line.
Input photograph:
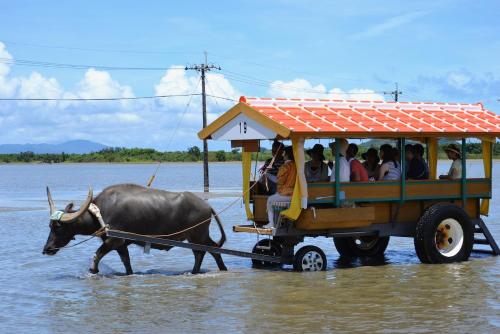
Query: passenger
[409,155]
[453,153]
[269,171]
[344,169]
[316,170]
[358,172]
[417,168]
[285,184]
[371,162]
[390,168]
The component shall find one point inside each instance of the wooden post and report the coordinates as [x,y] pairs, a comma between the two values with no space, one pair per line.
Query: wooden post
[337,172]
[402,143]
[464,173]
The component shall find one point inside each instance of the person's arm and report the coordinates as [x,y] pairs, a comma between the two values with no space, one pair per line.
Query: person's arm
[324,172]
[282,174]
[355,177]
[382,171]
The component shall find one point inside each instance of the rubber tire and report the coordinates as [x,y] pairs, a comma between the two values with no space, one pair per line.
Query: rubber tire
[299,256]
[347,247]
[426,228]
[275,250]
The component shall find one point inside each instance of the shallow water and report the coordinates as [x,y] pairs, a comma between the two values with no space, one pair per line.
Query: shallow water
[55,294]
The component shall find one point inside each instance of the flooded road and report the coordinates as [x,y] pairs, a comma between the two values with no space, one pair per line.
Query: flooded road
[45,294]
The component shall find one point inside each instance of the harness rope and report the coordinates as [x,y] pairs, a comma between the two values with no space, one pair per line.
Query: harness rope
[97,233]
[94,210]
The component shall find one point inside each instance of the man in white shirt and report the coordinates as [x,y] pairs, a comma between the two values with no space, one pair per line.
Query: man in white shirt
[344,167]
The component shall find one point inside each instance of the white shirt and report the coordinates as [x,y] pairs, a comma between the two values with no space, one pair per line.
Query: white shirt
[457,166]
[344,171]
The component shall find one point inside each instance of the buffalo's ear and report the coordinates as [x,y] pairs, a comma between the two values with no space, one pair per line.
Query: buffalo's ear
[69,207]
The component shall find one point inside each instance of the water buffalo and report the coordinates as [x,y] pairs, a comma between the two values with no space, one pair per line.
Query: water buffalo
[136,209]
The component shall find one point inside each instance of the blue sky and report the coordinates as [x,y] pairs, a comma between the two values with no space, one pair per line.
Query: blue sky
[435,50]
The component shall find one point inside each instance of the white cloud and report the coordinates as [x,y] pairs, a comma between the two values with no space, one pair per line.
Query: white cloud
[296,87]
[304,89]
[140,123]
[388,25]
[99,84]
[7,86]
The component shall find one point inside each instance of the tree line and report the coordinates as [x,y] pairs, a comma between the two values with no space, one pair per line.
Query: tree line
[192,154]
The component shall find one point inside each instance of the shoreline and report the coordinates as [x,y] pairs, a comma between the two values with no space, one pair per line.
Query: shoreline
[155,163]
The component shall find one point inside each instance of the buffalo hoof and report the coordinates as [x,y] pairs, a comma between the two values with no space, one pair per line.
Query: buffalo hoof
[129,272]
[93,271]
[223,268]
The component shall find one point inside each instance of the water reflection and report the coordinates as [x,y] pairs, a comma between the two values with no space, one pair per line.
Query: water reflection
[353,262]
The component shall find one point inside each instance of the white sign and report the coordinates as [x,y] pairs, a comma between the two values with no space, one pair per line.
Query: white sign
[243,128]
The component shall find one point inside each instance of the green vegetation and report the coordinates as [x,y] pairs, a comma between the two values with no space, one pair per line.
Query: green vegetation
[192,154]
[128,155]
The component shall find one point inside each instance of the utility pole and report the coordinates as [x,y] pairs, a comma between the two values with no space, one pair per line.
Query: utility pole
[395,92]
[203,68]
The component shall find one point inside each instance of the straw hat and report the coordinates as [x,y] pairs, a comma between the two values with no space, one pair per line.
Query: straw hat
[453,148]
[317,148]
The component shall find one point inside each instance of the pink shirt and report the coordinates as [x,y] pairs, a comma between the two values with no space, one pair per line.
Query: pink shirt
[357,168]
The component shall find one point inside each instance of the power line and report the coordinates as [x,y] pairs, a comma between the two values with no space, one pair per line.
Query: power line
[97,49]
[98,99]
[36,63]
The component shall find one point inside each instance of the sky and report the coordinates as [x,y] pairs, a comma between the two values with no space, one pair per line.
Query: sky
[437,50]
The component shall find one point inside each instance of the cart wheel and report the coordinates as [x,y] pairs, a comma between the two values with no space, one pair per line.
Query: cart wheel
[370,246]
[266,247]
[309,258]
[444,234]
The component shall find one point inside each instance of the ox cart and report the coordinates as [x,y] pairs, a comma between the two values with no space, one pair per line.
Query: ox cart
[444,217]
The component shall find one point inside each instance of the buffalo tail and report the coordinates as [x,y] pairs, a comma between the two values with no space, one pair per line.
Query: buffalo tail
[223,234]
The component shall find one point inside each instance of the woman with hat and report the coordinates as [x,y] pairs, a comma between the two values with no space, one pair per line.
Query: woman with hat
[453,153]
[316,170]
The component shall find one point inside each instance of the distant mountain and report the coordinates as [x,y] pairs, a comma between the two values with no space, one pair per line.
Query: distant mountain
[73,146]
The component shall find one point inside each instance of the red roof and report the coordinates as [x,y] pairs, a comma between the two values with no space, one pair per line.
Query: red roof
[323,115]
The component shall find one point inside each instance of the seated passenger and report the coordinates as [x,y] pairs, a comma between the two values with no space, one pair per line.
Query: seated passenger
[409,155]
[269,171]
[390,168]
[417,169]
[453,153]
[316,170]
[285,184]
[371,162]
[344,169]
[358,172]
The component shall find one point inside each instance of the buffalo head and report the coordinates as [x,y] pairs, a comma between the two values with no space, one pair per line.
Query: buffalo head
[63,224]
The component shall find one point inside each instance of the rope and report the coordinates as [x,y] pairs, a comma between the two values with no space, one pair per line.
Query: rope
[194,226]
[152,178]
[208,219]
[102,230]
[97,233]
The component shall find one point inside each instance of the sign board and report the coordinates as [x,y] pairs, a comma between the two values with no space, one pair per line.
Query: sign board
[243,128]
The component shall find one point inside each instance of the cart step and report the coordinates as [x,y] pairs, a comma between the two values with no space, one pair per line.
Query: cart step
[481,228]
[483,251]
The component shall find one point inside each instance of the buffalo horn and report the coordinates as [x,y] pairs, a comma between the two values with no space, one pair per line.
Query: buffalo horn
[68,217]
[51,201]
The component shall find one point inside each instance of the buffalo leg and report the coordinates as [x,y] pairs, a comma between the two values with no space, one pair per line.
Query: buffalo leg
[217,257]
[125,257]
[107,246]
[218,260]
[198,259]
